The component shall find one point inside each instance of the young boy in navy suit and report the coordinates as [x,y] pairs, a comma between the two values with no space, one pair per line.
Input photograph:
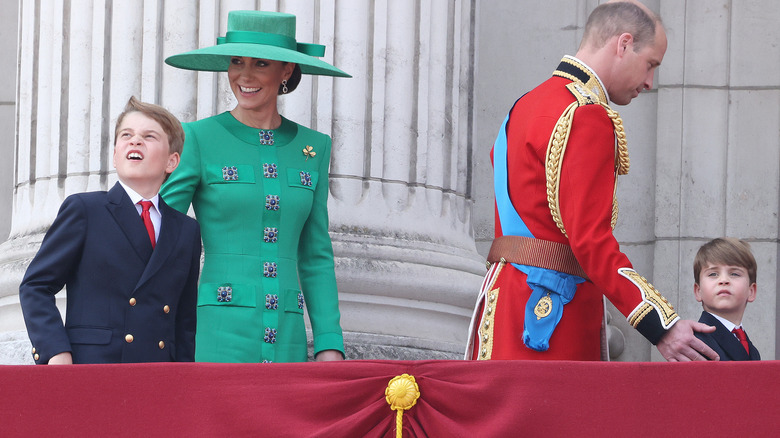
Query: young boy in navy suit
[725,282]
[129,262]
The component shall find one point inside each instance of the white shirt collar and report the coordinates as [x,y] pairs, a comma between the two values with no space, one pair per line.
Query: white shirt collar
[136,198]
[726,323]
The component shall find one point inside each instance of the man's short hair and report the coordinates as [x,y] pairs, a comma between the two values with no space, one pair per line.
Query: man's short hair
[169,123]
[616,18]
[725,251]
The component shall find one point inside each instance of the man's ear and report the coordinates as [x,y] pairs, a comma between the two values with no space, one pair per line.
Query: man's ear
[625,43]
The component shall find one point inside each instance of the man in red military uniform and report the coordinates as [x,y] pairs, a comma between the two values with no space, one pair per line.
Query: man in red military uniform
[556,162]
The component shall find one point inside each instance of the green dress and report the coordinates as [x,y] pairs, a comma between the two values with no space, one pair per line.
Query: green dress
[261,202]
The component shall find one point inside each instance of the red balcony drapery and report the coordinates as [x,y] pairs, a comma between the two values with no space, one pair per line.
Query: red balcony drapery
[347,399]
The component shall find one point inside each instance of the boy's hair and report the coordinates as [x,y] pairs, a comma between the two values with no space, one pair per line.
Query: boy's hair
[169,123]
[727,251]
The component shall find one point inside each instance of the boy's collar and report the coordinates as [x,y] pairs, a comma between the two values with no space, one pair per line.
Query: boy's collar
[726,323]
[136,198]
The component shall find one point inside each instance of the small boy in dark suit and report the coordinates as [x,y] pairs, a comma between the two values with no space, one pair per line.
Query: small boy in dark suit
[725,282]
[129,262]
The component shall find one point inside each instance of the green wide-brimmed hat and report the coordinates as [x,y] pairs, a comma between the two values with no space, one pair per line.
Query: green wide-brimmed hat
[258,34]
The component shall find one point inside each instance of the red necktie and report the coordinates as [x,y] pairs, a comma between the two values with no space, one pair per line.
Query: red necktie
[742,338]
[147,220]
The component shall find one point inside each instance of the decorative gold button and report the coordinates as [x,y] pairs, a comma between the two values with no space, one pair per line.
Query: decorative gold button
[129,338]
[34,350]
[132,301]
[162,345]
[166,308]
[36,357]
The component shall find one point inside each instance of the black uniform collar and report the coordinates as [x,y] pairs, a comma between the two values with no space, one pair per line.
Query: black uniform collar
[575,70]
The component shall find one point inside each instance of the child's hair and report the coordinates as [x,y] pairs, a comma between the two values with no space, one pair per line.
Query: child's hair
[726,251]
[169,123]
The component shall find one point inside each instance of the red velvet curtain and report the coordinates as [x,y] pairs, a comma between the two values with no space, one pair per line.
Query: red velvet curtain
[347,399]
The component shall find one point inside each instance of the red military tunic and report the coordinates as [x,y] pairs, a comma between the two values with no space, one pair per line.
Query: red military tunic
[585,194]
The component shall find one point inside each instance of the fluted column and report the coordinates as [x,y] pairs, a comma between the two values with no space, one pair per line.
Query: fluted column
[400,202]
[401,176]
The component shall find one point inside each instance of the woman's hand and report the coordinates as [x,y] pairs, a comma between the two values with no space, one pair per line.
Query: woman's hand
[328,355]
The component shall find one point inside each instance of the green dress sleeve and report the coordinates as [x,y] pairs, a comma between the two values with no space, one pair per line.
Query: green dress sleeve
[316,266]
[180,187]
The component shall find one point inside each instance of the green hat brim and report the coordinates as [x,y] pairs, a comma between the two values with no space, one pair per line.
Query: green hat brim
[217,58]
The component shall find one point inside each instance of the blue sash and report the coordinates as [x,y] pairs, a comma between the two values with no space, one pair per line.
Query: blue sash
[559,287]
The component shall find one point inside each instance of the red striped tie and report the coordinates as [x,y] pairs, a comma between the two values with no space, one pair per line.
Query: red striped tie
[147,220]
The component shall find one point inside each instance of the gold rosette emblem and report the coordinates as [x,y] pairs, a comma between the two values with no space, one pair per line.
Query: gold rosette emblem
[401,394]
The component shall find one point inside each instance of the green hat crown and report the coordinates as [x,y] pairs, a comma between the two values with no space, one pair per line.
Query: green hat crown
[257,34]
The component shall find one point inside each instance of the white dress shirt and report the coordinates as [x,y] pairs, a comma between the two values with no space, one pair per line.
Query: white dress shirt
[154,210]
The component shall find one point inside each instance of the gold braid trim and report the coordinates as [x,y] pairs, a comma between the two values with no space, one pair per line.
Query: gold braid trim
[592,84]
[485,330]
[553,160]
[557,147]
[651,299]
[622,162]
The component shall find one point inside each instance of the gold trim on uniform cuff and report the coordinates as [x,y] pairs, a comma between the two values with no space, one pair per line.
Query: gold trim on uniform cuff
[651,299]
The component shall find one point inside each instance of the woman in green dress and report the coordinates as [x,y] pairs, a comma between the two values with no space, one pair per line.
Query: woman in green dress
[258,184]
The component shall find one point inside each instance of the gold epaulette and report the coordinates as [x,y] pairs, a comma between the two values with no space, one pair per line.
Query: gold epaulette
[559,139]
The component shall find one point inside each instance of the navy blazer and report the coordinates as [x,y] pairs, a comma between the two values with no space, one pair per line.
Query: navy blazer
[125,301]
[724,342]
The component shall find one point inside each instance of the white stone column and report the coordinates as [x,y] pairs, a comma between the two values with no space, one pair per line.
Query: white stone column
[12,343]
[400,205]
[401,176]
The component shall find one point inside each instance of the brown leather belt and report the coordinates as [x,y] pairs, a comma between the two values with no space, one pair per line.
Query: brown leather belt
[535,252]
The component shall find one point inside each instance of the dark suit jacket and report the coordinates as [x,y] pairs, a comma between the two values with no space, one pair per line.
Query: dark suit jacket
[125,301]
[724,342]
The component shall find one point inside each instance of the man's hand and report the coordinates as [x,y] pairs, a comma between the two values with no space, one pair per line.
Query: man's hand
[680,345]
[64,358]
[328,355]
